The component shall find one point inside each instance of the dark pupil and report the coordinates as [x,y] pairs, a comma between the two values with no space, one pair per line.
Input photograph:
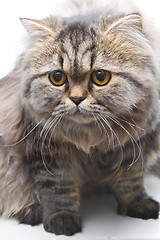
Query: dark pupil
[101,75]
[57,76]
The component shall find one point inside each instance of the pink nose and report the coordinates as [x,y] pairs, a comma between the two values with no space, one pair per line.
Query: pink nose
[77,100]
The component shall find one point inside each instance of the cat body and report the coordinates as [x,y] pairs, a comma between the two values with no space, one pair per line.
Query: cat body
[80,111]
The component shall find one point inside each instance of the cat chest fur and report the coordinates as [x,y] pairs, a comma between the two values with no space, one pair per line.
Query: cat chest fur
[80,112]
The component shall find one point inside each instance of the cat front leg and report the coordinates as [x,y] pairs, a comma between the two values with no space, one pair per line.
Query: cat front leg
[59,197]
[132,199]
[31,214]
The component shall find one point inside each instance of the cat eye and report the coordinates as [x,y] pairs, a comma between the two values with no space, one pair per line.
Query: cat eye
[57,78]
[100,77]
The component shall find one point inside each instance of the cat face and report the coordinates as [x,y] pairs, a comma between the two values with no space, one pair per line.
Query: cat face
[85,73]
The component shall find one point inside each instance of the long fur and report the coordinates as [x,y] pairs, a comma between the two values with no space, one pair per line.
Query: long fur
[115,136]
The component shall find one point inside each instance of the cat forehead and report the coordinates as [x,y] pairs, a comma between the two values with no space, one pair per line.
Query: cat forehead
[77,44]
[77,34]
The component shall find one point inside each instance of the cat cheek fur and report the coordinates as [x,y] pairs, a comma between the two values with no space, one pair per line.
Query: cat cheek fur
[55,150]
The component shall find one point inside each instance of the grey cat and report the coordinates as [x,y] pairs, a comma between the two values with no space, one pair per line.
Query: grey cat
[79,112]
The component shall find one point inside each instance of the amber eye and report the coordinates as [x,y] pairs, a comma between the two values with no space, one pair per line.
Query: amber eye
[101,77]
[58,78]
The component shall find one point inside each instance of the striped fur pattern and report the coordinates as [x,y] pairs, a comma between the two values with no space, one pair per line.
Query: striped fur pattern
[53,150]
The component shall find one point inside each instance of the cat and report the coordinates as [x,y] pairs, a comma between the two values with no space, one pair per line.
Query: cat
[80,112]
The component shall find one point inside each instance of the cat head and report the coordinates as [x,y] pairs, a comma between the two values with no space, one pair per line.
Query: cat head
[83,72]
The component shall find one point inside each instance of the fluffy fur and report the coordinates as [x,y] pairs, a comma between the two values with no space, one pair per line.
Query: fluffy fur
[53,149]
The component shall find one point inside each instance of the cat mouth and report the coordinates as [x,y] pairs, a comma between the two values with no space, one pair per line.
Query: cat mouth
[80,115]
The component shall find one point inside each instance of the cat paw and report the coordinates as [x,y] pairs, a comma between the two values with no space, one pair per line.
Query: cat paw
[31,215]
[145,208]
[63,223]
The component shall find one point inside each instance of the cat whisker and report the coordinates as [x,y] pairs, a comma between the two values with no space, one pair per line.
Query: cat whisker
[105,130]
[100,125]
[133,126]
[45,125]
[43,130]
[59,110]
[109,126]
[139,147]
[96,122]
[22,139]
[46,128]
[113,132]
[129,135]
[52,122]
[43,144]
[134,142]
[58,121]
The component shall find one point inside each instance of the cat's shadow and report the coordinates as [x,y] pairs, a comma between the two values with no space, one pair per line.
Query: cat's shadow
[96,208]
[100,218]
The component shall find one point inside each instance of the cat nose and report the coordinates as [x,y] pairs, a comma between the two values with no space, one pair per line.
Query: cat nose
[77,100]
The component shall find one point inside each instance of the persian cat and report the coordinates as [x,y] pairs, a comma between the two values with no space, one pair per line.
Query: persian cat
[80,113]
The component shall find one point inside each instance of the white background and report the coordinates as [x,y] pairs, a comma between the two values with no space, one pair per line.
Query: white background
[99,217]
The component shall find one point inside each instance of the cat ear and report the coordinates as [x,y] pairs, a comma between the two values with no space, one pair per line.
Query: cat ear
[133,21]
[36,27]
